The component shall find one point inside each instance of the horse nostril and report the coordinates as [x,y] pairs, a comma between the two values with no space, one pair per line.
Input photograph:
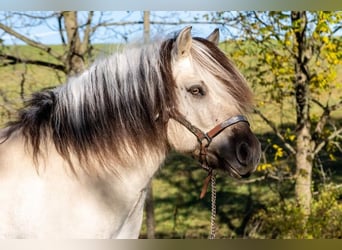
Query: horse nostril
[242,153]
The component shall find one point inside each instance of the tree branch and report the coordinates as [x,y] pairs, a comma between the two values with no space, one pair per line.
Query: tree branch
[264,177]
[29,41]
[60,29]
[40,17]
[276,131]
[124,23]
[14,60]
[325,115]
[87,32]
[336,29]
[335,134]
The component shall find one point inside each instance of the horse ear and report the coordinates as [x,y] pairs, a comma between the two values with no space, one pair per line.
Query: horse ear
[183,43]
[214,37]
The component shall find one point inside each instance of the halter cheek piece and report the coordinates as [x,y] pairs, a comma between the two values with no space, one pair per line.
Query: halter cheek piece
[204,139]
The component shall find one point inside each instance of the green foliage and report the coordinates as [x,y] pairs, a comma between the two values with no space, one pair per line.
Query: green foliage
[265,57]
[285,219]
[270,54]
[270,64]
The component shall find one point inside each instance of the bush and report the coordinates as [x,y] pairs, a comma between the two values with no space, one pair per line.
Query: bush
[285,220]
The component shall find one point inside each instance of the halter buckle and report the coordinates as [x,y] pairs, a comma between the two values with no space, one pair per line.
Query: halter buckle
[204,136]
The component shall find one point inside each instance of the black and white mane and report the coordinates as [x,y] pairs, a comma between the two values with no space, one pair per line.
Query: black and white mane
[122,102]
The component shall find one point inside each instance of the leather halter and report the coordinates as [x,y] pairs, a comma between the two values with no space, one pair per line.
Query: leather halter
[204,139]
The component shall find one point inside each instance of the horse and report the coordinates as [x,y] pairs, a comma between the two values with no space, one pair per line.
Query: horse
[76,161]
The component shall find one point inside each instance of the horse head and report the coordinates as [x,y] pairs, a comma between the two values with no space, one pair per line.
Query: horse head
[211,100]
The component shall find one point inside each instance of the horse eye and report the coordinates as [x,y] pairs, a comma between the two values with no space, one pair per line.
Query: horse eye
[196,90]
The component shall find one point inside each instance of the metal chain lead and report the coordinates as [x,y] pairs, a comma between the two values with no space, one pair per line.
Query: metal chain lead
[202,137]
[213,206]
[212,174]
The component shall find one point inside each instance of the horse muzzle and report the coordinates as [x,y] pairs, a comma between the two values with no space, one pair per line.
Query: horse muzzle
[238,152]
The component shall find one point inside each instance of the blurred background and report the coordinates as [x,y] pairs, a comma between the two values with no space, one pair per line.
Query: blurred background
[291,60]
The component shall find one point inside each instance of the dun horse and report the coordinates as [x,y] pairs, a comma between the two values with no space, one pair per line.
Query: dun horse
[76,161]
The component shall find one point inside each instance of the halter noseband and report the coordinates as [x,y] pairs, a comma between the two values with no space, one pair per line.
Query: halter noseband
[204,139]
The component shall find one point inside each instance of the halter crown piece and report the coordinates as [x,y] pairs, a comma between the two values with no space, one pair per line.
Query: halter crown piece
[204,140]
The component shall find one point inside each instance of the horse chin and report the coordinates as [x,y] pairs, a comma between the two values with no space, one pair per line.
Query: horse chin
[216,162]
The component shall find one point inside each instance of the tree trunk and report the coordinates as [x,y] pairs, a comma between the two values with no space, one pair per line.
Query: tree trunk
[74,58]
[149,211]
[304,164]
[147,26]
[149,205]
[304,155]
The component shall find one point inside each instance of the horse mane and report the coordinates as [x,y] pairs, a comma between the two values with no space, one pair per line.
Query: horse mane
[121,103]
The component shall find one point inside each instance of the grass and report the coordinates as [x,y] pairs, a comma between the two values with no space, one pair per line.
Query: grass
[181,214]
[179,211]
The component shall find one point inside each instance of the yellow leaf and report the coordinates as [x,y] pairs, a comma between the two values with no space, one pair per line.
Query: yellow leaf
[332,157]
[325,39]
[292,137]
[263,167]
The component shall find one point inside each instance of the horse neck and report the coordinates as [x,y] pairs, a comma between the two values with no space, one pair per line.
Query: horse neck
[137,175]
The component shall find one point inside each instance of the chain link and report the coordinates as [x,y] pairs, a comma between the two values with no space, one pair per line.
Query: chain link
[213,206]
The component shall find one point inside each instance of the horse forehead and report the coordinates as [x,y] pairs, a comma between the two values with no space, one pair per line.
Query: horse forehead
[182,65]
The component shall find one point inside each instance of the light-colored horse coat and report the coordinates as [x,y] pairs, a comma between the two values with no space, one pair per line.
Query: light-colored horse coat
[76,162]
[54,203]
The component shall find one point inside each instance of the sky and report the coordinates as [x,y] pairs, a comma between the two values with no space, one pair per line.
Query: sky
[47,32]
